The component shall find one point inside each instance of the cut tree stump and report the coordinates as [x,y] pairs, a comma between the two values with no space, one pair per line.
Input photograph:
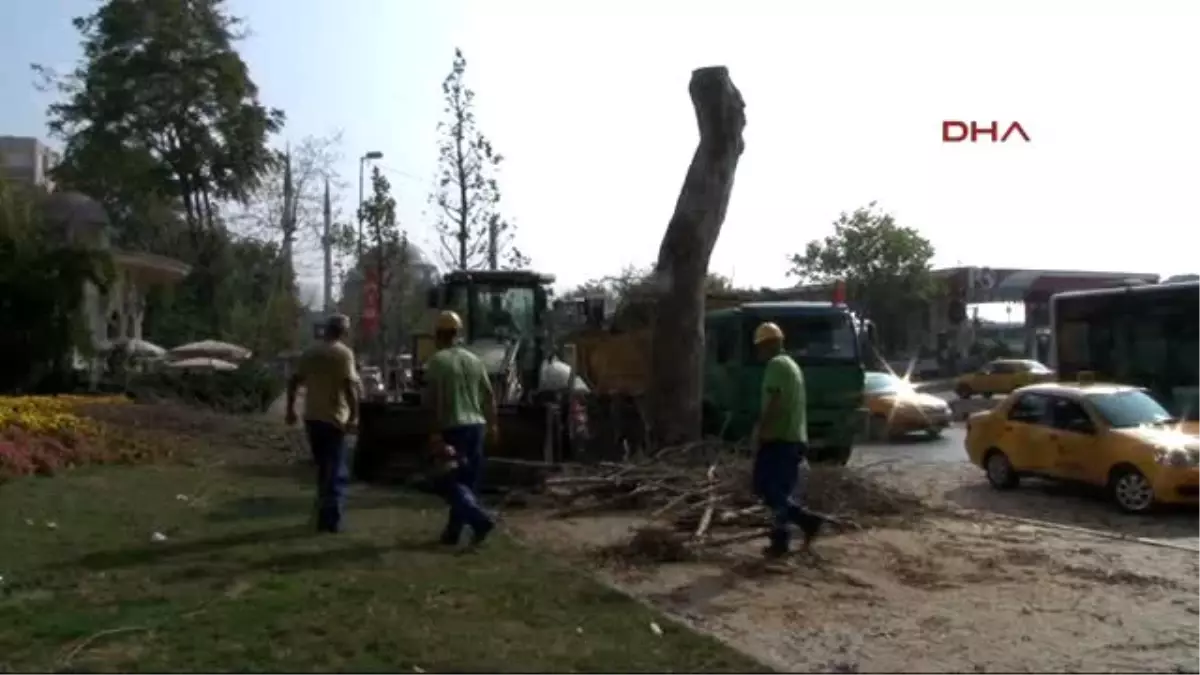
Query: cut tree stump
[677,349]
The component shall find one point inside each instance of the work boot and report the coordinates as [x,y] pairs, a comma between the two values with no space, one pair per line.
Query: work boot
[810,530]
[773,552]
[480,533]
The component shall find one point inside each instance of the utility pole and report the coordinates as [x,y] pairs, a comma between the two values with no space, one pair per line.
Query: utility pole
[327,243]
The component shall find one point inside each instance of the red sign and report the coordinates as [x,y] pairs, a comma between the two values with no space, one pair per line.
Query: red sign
[370,304]
[954,131]
[839,292]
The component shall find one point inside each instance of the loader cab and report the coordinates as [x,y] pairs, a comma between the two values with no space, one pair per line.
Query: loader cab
[500,307]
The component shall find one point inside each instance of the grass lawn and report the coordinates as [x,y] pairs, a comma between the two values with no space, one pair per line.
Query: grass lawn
[241,584]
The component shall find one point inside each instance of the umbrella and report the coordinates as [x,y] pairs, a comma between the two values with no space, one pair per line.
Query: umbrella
[135,347]
[211,349]
[200,363]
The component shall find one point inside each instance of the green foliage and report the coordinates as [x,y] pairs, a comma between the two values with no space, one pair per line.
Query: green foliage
[41,295]
[885,266]
[162,125]
[396,263]
[254,287]
[472,231]
[249,389]
[401,295]
[632,293]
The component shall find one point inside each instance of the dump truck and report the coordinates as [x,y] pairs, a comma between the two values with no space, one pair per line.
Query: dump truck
[508,324]
[828,341]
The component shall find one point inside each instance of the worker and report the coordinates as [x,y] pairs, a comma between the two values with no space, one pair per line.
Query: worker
[781,437]
[331,393]
[465,411]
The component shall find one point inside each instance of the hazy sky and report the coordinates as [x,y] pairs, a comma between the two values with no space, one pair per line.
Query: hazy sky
[589,102]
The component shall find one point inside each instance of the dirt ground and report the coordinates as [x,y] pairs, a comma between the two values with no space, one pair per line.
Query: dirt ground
[954,591]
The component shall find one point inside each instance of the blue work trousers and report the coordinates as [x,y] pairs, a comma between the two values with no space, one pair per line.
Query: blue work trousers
[460,484]
[328,444]
[776,474]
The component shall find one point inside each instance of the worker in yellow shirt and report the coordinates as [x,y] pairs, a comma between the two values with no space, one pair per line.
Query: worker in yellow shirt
[782,439]
[464,409]
[330,381]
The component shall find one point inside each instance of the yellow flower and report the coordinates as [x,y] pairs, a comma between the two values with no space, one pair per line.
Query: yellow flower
[51,414]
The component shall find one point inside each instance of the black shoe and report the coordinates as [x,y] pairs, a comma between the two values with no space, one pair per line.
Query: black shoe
[447,539]
[479,534]
[773,552]
[810,531]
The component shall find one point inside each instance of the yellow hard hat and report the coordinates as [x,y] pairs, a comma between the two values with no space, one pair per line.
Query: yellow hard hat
[767,330]
[448,322]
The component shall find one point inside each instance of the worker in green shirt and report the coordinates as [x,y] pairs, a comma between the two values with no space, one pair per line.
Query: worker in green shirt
[465,409]
[782,439]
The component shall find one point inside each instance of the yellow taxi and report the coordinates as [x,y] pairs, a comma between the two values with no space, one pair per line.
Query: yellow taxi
[1001,377]
[896,408]
[1112,436]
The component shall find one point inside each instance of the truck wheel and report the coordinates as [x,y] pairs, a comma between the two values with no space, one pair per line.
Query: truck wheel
[837,456]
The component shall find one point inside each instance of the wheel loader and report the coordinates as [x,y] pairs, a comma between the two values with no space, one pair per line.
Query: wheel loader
[508,324]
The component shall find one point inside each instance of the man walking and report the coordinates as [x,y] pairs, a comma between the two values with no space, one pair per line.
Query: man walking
[782,439]
[330,410]
[464,409]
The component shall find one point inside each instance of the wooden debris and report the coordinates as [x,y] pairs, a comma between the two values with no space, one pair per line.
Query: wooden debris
[699,496]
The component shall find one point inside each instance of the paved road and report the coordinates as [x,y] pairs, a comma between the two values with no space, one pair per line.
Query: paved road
[917,448]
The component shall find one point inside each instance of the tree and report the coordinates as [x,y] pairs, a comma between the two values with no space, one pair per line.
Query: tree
[401,294]
[470,227]
[287,206]
[885,266]
[677,348]
[162,94]
[633,294]
[387,241]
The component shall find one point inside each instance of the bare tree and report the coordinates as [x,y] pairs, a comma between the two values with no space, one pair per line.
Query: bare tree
[677,350]
[288,205]
[471,230]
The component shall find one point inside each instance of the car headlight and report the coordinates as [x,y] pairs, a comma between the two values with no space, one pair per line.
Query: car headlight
[1177,457]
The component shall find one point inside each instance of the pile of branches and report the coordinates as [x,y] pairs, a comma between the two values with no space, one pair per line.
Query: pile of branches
[701,495]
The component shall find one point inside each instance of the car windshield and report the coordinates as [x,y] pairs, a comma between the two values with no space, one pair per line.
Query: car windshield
[1132,408]
[827,337]
[885,383]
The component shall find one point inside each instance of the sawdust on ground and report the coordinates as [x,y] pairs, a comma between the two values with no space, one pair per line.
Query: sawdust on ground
[943,593]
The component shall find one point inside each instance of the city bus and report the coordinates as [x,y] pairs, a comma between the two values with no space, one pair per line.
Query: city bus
[1144,335]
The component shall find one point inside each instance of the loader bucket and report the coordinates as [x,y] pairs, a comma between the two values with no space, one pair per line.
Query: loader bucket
[394,441]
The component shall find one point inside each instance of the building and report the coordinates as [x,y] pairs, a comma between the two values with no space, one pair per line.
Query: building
[27,161]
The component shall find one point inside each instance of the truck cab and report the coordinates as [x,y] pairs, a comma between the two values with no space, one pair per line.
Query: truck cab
[828,343]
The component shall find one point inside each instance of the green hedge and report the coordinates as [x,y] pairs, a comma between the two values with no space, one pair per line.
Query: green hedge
[249,389]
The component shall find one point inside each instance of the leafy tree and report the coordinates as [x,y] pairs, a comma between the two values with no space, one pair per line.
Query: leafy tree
[41,294]
[885,266]
[401,295]
[256,293]
[162,96]
[470,227]
[632,294]
[387,242]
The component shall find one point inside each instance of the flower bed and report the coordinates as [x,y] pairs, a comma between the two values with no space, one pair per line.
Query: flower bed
[44,434]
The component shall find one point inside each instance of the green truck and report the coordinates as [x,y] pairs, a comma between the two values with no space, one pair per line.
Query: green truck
[828,342]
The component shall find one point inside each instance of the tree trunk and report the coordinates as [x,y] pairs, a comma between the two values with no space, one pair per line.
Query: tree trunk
[677,350]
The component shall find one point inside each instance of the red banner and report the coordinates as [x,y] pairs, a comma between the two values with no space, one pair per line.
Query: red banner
[370,304]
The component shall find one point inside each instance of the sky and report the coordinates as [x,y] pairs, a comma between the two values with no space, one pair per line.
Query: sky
[845,101]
